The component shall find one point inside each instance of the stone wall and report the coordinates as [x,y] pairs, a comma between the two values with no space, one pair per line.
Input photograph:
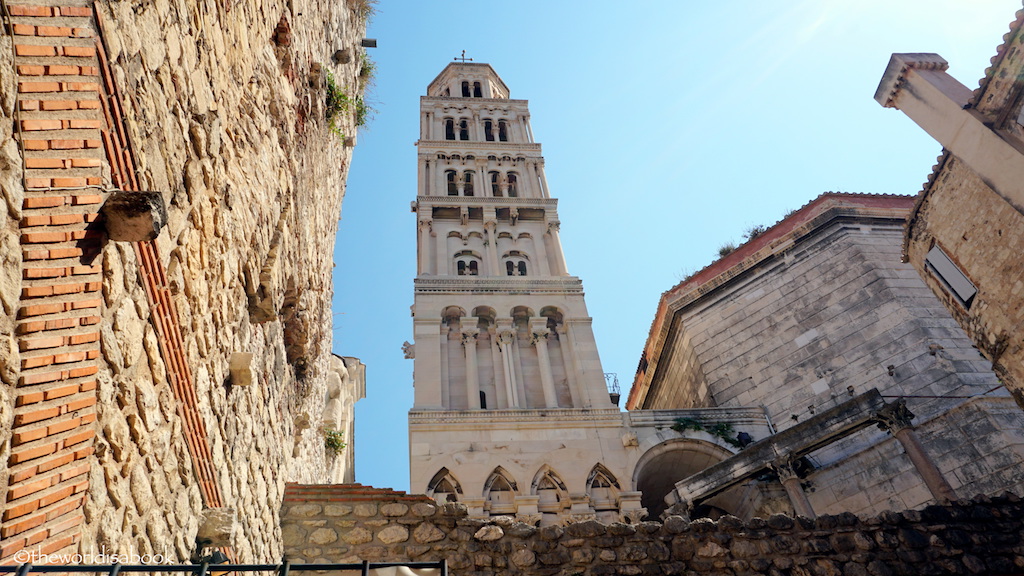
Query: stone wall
[350,524]
[219,106]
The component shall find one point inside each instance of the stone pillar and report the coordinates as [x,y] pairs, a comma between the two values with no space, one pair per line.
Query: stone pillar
[568,362]
[502,399]
[895,418]
[491,237]
[785,468]
[506,338]
[541,266]
[555,252]
[446,400]
[472,372]
[539,338]
[425,229]
[542,181]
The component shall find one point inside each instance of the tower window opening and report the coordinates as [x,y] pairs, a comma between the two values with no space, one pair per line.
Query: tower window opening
[513,185]
[489,130]
[522,268]
[495,185]
[510,268]
[467,184]
[463,129]
[465,89]
[502,130]
[483,400]
[453,189]
[477,92]
[449,129]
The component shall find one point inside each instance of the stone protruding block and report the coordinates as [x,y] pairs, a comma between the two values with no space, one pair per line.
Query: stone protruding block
[134,216]
[217,527]
[240,366]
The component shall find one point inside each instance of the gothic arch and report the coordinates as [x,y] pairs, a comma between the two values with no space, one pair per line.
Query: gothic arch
[500,492]
[444,487]
[664,464]
[603,488]
[554,496]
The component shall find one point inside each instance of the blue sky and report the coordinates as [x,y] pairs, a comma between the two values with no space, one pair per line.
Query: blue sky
[668,128]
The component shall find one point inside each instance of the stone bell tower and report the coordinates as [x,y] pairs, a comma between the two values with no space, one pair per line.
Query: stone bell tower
[512,414]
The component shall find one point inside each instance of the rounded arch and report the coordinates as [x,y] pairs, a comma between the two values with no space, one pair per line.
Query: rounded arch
[452,313]
[664,464]
[500,492]
[444,487]
[521,312]
[485,313]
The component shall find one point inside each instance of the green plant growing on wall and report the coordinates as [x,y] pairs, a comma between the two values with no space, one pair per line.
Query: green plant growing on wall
[337,103]
[367,70]
[364,112]
[726,249]
[334,440]
[721,430]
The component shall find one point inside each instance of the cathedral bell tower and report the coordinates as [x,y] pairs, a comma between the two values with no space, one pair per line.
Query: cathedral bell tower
[510,394]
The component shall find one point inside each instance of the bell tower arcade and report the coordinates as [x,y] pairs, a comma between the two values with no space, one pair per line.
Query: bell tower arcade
[510,396]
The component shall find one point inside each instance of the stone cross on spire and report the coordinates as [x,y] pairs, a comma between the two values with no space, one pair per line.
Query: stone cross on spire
[463,57]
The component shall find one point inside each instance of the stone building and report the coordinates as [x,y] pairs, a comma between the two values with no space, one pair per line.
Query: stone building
[965,234]
[817,322]
[166,356]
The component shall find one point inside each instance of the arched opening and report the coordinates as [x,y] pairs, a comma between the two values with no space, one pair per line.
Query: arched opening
[515,263]
[467,183]
[477,91]
[488,130]
[494,177]
[453,187]
[449,129]
[603,489]
[500,493]
[503,130]
[513,185]
[465,89]
[463,129]
[662,466]
[443,487]
[467,263]
[553,495]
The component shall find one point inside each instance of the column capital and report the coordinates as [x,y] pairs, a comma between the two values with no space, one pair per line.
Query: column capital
[554,226]
[786,467]
[506,336]
[894,416]
[470,335]
[538,334]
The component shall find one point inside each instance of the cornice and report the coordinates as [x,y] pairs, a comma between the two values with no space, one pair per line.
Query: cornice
[611,416]
[474,146]
[460,201]
[498,284]
[480,102]
[666,418]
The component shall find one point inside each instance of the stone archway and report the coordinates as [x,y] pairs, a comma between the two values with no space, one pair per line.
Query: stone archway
[659,469]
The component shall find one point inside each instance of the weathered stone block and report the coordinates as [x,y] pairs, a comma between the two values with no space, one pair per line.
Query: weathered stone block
[393,534]
[131,216]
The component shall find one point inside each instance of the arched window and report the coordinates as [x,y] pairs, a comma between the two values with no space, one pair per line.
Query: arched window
[449,129]
[513,185]
[463,129]
[443,487]
[495,185]
[500,492]
[477,93]
[467,183]
[522,268]
[489,130]
[467,264]
[453,187]
[465,89]
[515,263]
[510,267]
[503,130]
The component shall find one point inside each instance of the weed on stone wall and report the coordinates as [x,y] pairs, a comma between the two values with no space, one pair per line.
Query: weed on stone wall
[334,440]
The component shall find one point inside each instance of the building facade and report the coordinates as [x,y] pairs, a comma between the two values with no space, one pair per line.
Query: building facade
[965,235]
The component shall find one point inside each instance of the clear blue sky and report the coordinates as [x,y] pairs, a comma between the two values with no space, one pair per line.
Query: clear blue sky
[668,128]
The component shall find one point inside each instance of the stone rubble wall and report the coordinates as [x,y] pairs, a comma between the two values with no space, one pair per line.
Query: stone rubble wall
[222,103]
[346,524]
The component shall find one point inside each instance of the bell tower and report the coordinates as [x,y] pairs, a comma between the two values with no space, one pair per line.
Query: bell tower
[509,391]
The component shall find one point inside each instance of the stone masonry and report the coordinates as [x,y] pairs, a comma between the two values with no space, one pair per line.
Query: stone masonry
[354,523]
[144,382]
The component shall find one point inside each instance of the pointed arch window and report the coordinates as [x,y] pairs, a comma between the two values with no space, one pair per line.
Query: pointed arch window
[500,492]
[552,492]
[443,487]
[603,488]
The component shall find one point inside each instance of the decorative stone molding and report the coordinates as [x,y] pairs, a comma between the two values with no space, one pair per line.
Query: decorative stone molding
[896,71]
[454,201]
[894,416]
[419,417]
[484,284]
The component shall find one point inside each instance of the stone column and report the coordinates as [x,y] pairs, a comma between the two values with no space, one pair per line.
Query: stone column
[506,338]
[539,339]
[542,267]
[556,249]
[421,176]
[424,256]
[784,467]
[543,181]
[502,400]
[895,418]
[446,400]
[568,362]
[472,372]
[491,233]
